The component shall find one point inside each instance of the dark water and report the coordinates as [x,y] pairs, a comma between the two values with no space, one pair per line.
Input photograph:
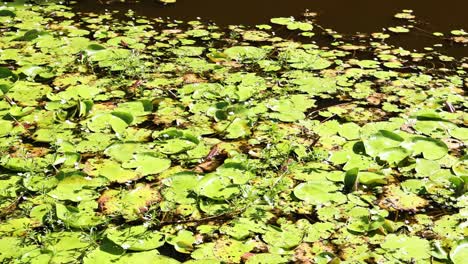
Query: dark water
[344,16]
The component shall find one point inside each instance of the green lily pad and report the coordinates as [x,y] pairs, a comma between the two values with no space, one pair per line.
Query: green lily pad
[282,20]
[459,253]
[113,171]
[300,25]
[460,133]
[136,238]
[216,187]
[397,199]
[387,146]
[299,59]
[315,85]
[245,53]
[319,192]
[175,141]
[179,187]
[371,178]
[407,248]
[6,127]
[182,242]
[426,168]
[79,217]
[109,253]
[381,141]
[130,204]
[67,246]
[399,29]
[116,121]
[432,149]
[287,236]
[176,145]
[28,93]
[461,168]
[12,248]
[238,128]
[394,155]
[76,187]
[350,131]
[291,109]
[146,164]
[263,258]
[124,152]
[230,250]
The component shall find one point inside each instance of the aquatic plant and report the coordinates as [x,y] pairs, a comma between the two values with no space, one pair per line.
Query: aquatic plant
[123,143]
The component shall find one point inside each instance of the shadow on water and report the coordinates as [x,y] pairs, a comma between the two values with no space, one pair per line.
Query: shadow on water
[346,17]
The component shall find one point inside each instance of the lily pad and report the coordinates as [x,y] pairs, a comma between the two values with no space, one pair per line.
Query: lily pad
[459,253]
[407,248]
[136,238]
[245,53]
[216,187]
[431,149]
[319,192]
[130,204]
[146,164]
[230,250]
[6,127]
[263,258]
[397,199]
[109,252]
[76,187]
[287,236]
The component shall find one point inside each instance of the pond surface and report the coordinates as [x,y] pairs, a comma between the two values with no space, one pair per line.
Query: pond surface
[346,17]
[130,139]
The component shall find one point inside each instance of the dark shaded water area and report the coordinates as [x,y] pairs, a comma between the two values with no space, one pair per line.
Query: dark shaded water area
[345,17]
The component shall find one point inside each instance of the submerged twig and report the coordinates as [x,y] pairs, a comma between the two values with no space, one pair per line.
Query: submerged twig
[209,218]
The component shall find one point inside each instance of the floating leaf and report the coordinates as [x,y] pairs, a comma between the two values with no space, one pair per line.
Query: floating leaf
[146,164]
[459,253]
[6,127]
[179,186]
[461,168]
[431,149]
[397,199]
[282,20]
[131,204]
[460,133]
[398,29]
[183,241]
[267,258]
[230,250]
[381,141]
[216,187]
[76,187]
[136,238]
[407,248]
[103,121]
[247,53]
[319,192]
[79,217]
[371,178]
[287,236]
[109,253]
[114,172]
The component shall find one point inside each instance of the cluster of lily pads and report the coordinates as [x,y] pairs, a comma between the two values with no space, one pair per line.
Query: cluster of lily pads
[153,141]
